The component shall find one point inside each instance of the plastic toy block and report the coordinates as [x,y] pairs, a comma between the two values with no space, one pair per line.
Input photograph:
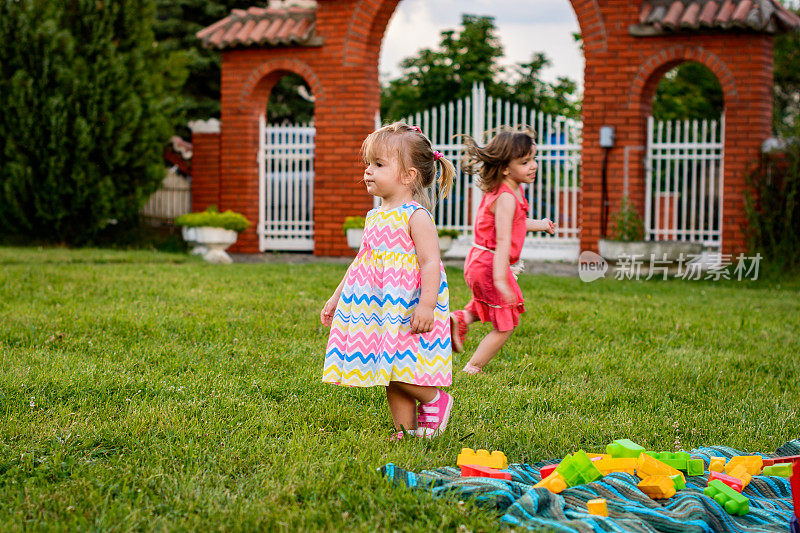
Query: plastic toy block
[729,499]
[794,481]
[786,459]
[694,467]
[618,464]
[546,470]
[732,482]
[678,482]
[468,456]
[624,448]
[675,460]
[598,456]
[657,487]
[650,466]
[577,469]
[753,463]
[483,471]
[555,483]
[598,507]
[780,470]
[740,472]
[717,464]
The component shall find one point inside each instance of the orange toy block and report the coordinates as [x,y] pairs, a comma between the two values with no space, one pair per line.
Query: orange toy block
[753,464]
[598,507]
[657,487]
[717,464]
[598,456]
[616,464]
[555,483]
[740,472]
[649,466]
[468,456]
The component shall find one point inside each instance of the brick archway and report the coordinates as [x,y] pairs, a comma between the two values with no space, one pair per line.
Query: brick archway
[335,45]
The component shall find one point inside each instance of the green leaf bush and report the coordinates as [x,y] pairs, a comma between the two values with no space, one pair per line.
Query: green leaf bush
[452,233]
[628,225]
[214,219]
[353,223]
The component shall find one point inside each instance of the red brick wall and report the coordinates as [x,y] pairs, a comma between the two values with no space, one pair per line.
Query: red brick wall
[205,170]
[620,78]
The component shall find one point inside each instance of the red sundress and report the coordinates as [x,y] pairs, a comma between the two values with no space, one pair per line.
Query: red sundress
[486,302]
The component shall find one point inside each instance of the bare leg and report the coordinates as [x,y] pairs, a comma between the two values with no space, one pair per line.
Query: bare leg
[402,406]
[420,393]
[489,347]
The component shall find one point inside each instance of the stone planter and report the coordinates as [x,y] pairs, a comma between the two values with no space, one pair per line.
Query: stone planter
[661,250]
[354,237]
[210,242]
[445,243]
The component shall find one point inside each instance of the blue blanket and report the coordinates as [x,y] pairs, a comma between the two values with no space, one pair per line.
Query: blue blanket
[520,505]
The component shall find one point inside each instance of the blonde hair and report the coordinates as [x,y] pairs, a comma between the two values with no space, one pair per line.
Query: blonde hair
[413,150]
[490,161]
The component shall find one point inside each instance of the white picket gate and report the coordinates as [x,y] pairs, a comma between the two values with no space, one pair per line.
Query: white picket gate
[286,187]
[683,181]
[555,193]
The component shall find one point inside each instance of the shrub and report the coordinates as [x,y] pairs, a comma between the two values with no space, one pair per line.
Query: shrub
[353,223]
[212,218]
[772,204]
[628,225]
[452,233]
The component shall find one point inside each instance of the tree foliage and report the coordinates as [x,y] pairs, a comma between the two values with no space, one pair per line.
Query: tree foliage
[786,89]
[689,91]
[436,76]
[87,108]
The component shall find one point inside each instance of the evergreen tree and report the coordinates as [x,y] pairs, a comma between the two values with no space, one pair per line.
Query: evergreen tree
[87,109]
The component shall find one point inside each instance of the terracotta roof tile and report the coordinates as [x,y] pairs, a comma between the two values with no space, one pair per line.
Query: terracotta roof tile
[658,17]
[265,27]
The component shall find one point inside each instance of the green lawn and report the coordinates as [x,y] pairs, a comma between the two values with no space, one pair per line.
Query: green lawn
[142,390]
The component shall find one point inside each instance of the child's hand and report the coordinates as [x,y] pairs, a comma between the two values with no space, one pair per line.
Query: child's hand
[422,320]
[548,226]
[506,293]
[326,315]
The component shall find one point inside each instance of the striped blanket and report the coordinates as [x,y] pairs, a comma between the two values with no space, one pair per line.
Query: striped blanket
[520,505]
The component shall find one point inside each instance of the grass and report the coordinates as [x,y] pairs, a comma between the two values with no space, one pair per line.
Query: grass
[143,390]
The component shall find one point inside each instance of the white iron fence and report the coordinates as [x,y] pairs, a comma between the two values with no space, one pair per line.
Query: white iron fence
[555,193]
[683,181]
[286,187]
[171,200]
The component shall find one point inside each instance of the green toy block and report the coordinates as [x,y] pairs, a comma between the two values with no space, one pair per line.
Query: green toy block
[678,481]
[577,469]
[676,460]
[624,448]
[729,499]
[694,467]
[780,470]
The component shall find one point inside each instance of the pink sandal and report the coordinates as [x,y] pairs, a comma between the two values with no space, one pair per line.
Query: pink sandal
[458,330]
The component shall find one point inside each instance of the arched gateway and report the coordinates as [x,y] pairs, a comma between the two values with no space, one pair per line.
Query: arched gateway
[335,45]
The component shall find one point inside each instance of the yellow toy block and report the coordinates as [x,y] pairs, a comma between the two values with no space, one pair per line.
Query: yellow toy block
[616,464]
[496,459]
[657,487]
[598,507]
[555,483]
[740,472]
[650,466]
[716,464]
[753,464]
[598,456]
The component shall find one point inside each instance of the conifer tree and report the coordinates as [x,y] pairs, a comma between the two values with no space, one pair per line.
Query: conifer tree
[87,109]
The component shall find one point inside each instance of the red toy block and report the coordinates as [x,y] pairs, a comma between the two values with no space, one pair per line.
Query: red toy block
[483,471]
[794,480]
[787,459]
[732,482]
[547,470]
[769,462]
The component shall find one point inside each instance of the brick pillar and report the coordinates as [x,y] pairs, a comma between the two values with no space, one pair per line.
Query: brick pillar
[205,163]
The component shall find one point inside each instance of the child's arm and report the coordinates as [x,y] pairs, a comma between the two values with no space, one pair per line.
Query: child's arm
[329,309]
[504,208]
[544,224]
[426,243]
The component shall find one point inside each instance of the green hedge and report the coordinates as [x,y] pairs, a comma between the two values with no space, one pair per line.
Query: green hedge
[212,218]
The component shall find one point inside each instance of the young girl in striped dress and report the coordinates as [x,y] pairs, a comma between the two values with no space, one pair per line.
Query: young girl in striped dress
[389,317]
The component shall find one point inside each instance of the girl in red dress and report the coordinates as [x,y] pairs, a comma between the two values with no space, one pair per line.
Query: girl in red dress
[504,164]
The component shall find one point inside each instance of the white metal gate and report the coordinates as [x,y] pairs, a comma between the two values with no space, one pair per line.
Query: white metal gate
[286,187]
[683,181]
[555,193]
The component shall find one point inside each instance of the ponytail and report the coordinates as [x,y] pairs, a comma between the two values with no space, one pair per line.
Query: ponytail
[447,173]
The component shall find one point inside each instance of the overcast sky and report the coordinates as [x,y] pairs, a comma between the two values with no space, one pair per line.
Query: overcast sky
[523,27]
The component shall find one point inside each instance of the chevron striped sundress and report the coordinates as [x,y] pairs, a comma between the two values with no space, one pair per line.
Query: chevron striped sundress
[370,341]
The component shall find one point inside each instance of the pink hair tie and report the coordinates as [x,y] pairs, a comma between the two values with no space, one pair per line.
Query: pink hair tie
[416,128]
[437,155]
